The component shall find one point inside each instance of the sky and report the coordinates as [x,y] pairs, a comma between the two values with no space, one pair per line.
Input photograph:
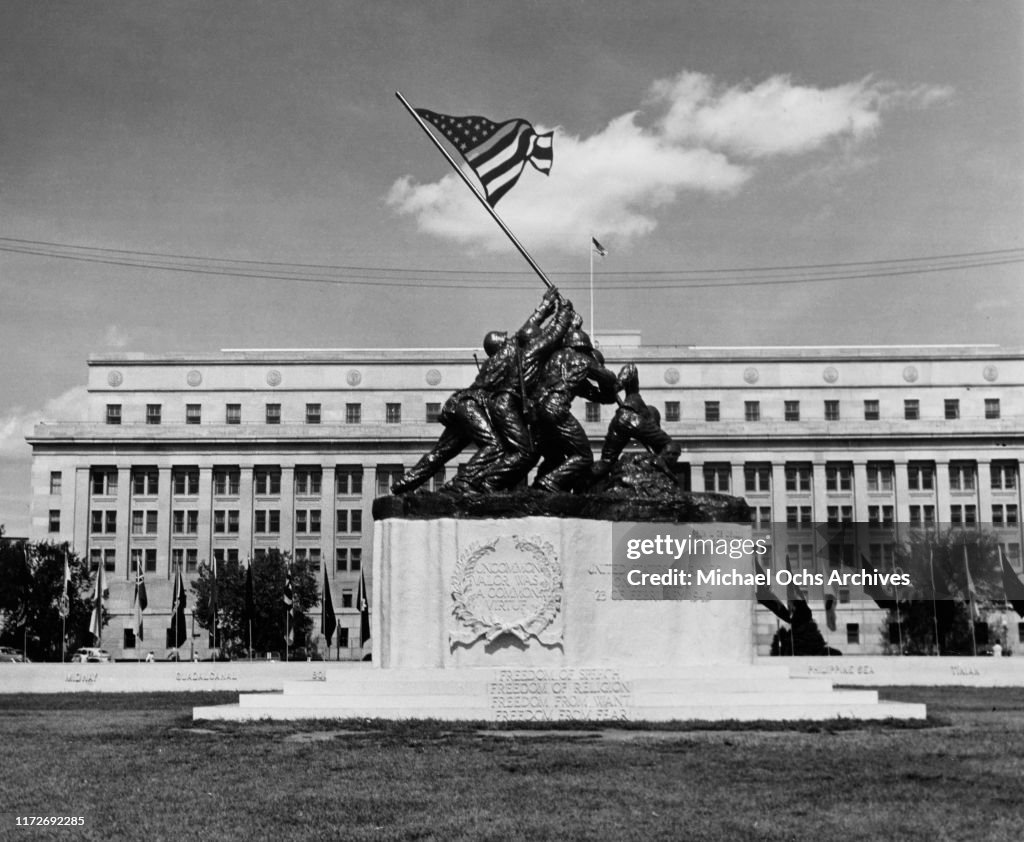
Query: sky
[191,176]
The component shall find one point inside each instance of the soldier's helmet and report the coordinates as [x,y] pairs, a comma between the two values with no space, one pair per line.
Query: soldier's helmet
[579,340]
[493,341]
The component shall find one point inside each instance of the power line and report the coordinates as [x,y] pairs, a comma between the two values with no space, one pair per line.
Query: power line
[397,277]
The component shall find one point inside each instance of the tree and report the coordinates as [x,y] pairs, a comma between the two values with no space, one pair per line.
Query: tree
[33,582]
[269,574]
[939,599]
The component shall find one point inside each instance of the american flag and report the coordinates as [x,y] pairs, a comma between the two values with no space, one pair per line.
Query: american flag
[496,152]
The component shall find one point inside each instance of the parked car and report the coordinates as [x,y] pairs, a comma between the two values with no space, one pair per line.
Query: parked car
[91,655]
[10,655]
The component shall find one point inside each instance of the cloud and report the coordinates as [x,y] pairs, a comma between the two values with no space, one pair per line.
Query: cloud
[72,405]
[702,137]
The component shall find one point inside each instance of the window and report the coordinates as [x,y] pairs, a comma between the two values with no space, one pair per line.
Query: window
[346,598]
[56,481]
[300,520]
[952,409]
[672,411]
[267,520]
[226,482]
[186,483]
[838,477]
[193,413]
[267,481]
[110,522]
[308,481]
[273,415]
[53,525]
[961,476]
[1004,475]
[307,520]
[593,411]
[761,517]
[341,558]
[393,413]
[104,483]
[911,410]
[225,520]
[233,413]
[871,412]
[752,410]
[880,515]
[186,521]
[712,411]
[1009,511]
[153,411]
[831,410]
[840,514]
[920,476]
[792,410]
[922,515]
[145,482]
[355,559]
[853,633]
[992,408]
[348,480]
[220,521]
[433,413]
[879,476]
[353,413]
[716,478]
[798,477]
[757,477]
[113,413]
[343,638]
[191,560]
[350,520]
[963,514]
[312,413]
[798,516]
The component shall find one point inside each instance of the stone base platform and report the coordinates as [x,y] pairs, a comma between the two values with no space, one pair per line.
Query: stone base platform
[709,693]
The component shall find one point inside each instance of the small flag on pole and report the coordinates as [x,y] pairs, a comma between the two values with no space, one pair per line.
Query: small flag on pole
[287,597]
[67,575]
[96,621]
[767,598]
[250,601]
[141,602]
[178,630]
[598,248]
[1013,587]
[496,152]
[328,622]
[363,605]
[972,593]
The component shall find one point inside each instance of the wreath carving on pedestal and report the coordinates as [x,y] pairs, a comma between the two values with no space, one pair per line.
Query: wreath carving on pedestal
[509,585]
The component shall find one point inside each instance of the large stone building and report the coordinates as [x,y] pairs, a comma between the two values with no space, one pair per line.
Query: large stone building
[187,457]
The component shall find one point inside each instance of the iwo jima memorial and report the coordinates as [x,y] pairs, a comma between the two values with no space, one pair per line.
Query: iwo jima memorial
[498,600]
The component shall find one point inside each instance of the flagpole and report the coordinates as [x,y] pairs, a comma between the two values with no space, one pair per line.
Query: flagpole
[477,193]
[593,330]
[935,614]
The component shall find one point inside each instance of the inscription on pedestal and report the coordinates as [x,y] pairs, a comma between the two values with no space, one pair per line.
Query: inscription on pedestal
[509,585]
[552,695]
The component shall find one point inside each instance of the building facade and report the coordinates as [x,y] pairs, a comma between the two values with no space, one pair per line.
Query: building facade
[185,458]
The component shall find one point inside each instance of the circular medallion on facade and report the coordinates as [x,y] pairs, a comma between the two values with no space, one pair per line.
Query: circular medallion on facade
[830,374]
[671,376]
[194,378]
[273,377]
[353,377]
[433,377]
[910,374]
[990,373]
[509,585]
[751,374]
[115,379]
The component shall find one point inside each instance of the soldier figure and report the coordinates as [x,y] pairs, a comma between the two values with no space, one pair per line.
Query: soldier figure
[466,415]
[634,419]
[571,372]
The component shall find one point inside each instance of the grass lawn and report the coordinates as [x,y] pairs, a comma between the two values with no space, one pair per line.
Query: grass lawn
[136,767]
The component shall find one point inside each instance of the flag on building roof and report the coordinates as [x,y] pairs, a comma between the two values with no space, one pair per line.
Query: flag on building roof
[96,620]
[140,602]
[601,250]
[1013,587]
[496,152]
[363,606]
[328,622]
[178,630]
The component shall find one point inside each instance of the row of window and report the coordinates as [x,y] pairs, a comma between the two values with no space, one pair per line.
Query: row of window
[792,412]
[272,413]
[225,521]
[346,559]
[880,476]
[226,481]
